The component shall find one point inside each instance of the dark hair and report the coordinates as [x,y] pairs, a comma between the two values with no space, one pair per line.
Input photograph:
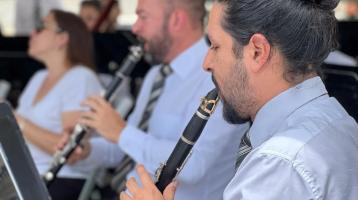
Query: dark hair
[93,3]
[304,31]
[80,44]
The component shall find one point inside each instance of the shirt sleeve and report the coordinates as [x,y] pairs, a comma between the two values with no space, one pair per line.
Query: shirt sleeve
[145,148]
[103,154]
[86,84]
[269,177]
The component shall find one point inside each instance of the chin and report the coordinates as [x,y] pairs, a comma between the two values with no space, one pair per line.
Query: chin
[30,52]
[232,116]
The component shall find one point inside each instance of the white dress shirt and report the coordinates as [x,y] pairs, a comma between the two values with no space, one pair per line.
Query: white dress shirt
[68,93]
[305,146]
[212,163]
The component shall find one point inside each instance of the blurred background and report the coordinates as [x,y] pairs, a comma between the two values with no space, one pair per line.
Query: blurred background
[113,37]
[19,17]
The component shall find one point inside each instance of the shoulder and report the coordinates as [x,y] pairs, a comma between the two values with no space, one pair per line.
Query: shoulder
[81,71]
[39,75]
[36,79]
[82,74]
[321,119]
[324,119]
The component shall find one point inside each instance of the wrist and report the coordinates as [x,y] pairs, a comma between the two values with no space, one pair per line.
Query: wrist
[22,124]
[118,133]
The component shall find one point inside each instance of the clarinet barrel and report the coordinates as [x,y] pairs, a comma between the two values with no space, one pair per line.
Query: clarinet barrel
[167,172]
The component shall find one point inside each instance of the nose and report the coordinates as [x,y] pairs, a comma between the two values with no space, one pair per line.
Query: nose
[33,34]
[206,65]
[135,27]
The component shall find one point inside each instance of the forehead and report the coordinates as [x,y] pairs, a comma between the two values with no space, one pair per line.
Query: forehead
[215,19]
[151,6]
[89,8]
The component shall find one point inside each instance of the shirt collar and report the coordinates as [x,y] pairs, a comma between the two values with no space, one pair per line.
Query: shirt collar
[277,110]
[188,60]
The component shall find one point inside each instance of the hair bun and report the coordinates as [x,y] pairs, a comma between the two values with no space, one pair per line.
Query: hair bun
[326,4]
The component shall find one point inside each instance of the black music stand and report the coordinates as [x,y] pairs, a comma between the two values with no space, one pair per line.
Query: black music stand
[18,173]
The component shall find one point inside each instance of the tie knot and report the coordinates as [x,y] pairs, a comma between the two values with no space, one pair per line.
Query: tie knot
[165,70]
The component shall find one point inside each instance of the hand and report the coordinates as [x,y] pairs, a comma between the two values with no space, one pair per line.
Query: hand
[21,121]
[80,153]
[149,190]
[103,118]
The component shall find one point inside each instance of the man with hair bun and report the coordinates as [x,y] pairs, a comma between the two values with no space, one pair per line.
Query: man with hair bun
[263,57]
[172,32]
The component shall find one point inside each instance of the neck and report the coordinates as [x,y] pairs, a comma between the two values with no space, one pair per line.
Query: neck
[57,65]
[181,43]
[272,86]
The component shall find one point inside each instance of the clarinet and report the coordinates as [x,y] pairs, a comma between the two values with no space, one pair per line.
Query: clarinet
[168,171]
[60,157]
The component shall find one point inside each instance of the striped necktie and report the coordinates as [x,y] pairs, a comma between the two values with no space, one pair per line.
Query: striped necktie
[244,149]
[127,164]
[155,92]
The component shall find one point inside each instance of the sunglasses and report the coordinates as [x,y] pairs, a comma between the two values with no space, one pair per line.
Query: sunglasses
[41,26]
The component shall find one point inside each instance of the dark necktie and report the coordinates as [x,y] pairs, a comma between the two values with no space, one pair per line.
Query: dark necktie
[244,149]
[155,93]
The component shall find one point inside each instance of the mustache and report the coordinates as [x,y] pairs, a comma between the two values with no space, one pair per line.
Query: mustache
[214,81]
[216,86]
[142,40]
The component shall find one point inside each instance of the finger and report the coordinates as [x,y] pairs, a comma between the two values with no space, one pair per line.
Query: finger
[132,185]
[92,103]
[88,122]
[75,156]
[89,115]
[100,100]
[169,191]
[144,176]
[124,196]
[62,142]
[68,130]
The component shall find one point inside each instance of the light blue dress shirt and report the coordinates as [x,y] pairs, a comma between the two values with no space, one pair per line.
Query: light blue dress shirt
[212,163]
[305,146]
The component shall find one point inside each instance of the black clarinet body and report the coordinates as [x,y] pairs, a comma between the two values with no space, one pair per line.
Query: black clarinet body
[60,157]
[168,171]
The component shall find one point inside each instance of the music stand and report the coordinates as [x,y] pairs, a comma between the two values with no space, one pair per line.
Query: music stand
[18,170]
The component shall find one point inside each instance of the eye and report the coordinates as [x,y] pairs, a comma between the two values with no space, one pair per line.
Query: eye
[143,16]
[207,40]
[210,44]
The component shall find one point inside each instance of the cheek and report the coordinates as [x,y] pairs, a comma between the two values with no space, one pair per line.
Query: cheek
[39,46]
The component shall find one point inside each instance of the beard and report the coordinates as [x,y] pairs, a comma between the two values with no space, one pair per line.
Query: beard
[236,95]
[159,45]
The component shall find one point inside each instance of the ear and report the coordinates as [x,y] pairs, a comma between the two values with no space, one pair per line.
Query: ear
[177,20]
[259,51]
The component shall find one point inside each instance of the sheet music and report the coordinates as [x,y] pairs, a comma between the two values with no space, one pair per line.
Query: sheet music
[7,186]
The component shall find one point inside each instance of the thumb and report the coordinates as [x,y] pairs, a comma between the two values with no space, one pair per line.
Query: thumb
[63,141]
[169,191]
